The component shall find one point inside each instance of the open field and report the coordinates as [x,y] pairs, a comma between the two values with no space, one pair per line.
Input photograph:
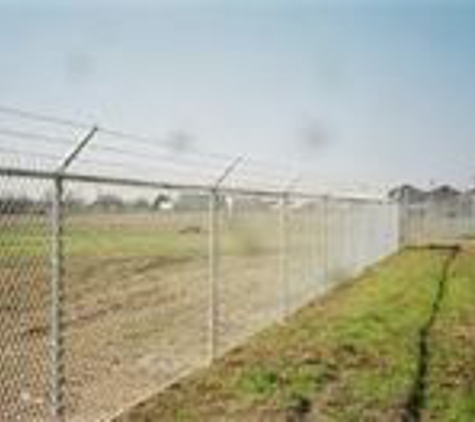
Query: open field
[397,344]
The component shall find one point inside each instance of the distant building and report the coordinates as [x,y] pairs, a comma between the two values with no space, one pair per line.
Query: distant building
[442,194]
[410,194]
[469,194]
[108,202]
[407,193]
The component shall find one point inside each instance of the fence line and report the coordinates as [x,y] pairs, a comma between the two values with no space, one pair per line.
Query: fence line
[119,316]
[112,286]
[445,220]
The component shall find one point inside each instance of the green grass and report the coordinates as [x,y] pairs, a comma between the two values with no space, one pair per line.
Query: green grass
[134,236]
[351,356]
[451,395]
[110,243]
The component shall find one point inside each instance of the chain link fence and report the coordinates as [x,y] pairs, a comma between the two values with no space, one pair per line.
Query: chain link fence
[112,289]
[25,320]
[440,221]
[113,286]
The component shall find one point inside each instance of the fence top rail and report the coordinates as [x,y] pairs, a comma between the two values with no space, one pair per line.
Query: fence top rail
[133,182]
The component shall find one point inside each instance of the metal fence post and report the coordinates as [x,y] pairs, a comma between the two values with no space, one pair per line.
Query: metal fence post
[57,379]
[325,243]
[56,292]
[214,251]
[284,246]
[283,234]
[472,215]
[403,221]
[214,258]
[313,232]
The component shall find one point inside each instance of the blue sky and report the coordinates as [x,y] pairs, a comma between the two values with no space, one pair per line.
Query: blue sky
[358,91]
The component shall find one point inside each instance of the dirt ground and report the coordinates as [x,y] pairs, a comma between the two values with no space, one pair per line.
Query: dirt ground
[138,301]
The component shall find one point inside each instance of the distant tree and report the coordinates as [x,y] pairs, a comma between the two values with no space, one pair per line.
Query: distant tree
[74,202]
[16,205]
[193,202]
[108,202]
[140,204]
[160,201]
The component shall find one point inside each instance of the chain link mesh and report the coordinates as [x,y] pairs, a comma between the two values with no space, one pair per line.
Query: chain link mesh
[438,221]
[136,295]
[248,278]
[24,298]
[154,283]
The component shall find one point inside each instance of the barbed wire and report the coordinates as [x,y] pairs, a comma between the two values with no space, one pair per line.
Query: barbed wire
[183,164]
[191,161]
[21,134]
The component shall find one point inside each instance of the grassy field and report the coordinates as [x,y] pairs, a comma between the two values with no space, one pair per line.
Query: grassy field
[135,234]
[398,344]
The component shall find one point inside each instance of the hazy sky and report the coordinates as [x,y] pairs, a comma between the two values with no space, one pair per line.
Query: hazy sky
[357,91]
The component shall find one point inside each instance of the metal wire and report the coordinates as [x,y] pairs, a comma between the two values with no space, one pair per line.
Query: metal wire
[161,149]
[159,276]
[21,134]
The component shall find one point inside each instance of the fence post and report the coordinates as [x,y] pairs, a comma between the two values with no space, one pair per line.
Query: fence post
[214,257]
[57,379]
[214,250]
[403,220]
[472,215]
[283,234]
[350,238]
[325,244]
[314,239]
[56,292]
